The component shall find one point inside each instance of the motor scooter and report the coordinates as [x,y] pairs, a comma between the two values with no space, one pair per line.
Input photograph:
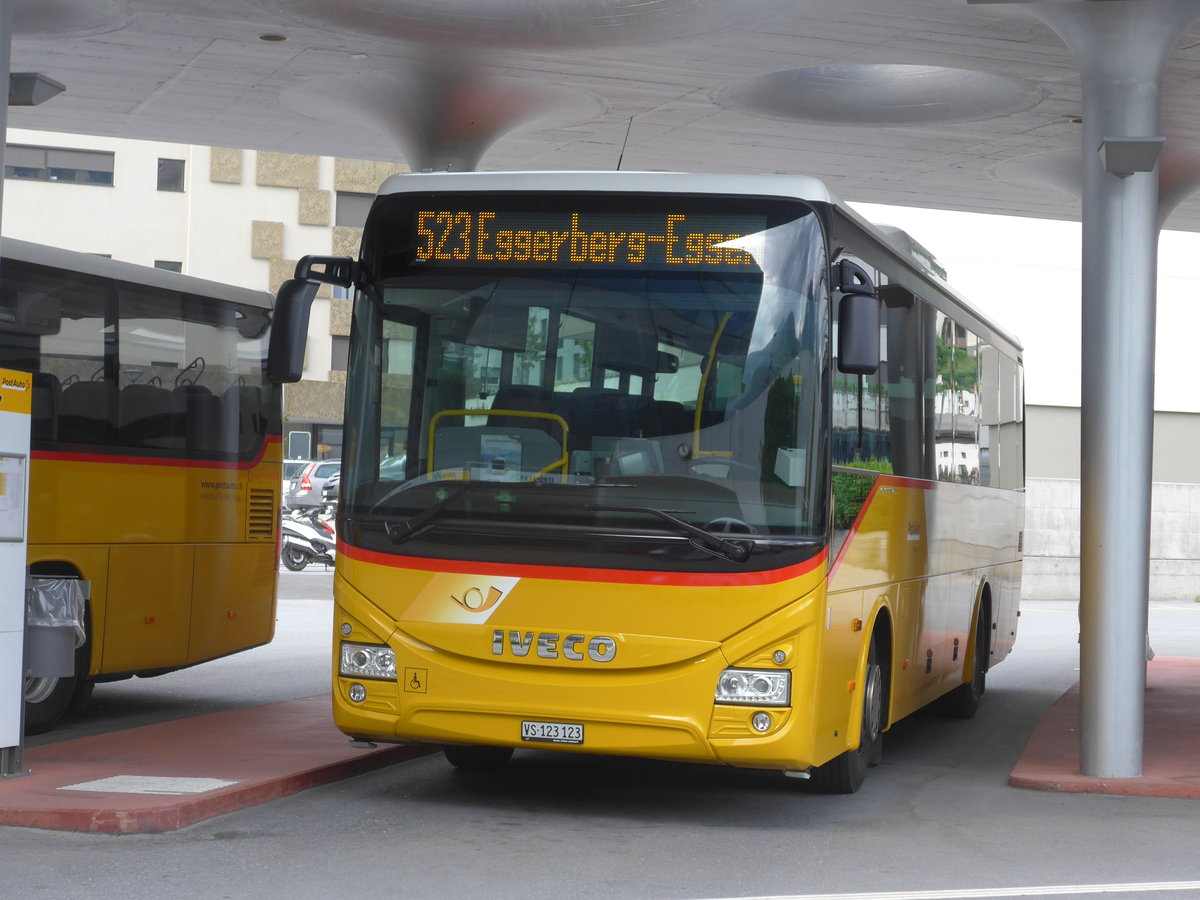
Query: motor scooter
[305,536]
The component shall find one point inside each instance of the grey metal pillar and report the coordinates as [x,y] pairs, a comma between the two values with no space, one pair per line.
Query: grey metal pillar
[1121,47]
[11,758]
[5,68]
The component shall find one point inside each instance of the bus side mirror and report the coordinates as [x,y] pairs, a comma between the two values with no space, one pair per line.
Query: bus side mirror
[293,303]
[289,330]
[858,321]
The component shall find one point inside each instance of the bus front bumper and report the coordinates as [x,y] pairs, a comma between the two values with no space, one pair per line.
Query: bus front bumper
[664,712]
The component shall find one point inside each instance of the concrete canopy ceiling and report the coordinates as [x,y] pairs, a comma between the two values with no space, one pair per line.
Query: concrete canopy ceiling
[935,103]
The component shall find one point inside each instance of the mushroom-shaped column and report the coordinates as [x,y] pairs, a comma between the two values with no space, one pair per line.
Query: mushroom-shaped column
[1121,47]
[444,114]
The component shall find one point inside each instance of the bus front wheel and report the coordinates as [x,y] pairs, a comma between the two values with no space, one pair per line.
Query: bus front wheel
[844,774]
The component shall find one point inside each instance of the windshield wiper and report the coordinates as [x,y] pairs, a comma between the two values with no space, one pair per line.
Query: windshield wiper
[402,531]
[735,551]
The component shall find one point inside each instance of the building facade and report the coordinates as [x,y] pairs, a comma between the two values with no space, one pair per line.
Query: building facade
[240,217]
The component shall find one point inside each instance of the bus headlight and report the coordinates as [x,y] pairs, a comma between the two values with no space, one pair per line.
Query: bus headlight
[756,687]
[368,661]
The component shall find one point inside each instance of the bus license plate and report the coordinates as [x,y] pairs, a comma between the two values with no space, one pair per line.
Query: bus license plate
[552,732]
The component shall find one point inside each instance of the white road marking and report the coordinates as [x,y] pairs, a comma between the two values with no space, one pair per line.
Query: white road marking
[149,784]
[1056,890]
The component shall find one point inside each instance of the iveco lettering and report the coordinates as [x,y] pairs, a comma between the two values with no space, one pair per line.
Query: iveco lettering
[550,645]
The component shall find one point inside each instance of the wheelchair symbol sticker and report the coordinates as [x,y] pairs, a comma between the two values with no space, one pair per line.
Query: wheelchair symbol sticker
[414,680]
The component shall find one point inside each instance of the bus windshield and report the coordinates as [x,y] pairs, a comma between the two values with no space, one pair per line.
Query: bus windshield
[614,380]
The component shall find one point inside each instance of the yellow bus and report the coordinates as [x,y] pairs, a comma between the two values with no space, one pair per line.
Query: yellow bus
[154,462]
[694,467]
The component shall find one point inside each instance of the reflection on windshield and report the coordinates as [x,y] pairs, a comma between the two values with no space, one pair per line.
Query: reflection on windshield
[690,392]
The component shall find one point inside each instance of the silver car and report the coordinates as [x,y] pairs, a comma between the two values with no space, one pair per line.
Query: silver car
[290,468]
[306,487]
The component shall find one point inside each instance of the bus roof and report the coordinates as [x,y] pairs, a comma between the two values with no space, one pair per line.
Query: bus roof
[103,267]
[798,187]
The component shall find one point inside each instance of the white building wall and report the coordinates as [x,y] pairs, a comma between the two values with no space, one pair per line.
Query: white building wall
[207,227]
[131,220]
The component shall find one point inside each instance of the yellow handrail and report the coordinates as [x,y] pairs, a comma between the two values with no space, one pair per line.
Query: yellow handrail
[712,355]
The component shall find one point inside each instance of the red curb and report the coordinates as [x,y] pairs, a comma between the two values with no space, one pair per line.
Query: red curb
[269,751]
[1171,742]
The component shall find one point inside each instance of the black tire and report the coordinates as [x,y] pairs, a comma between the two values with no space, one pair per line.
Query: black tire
[477,759]
[47,700]
[295,560]
[963,701]
[844,774]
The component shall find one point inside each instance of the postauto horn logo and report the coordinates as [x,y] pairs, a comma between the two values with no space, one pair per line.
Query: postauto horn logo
[475,600]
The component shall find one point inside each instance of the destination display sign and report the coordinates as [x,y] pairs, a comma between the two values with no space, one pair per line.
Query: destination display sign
[487,237]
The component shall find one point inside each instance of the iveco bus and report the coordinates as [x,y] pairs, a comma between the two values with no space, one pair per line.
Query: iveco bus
[696,468]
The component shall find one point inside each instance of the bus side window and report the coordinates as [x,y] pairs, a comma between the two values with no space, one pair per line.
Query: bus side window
[84,418]
[903,385]
[147,416]
[46,400]
[988,403]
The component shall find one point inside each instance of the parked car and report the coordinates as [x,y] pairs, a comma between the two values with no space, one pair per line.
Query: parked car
[306,487]
[330,490]
[391,468]
[290,468]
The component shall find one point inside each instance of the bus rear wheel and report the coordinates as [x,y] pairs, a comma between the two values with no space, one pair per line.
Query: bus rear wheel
[963,701]
[476,758]
[844,774]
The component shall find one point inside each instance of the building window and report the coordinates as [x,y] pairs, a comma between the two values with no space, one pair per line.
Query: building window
[339,354]
[29,163]
[352,208]
[170,265]
[170,175]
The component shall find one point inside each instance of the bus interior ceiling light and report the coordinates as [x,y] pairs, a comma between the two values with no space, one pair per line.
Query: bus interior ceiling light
[32,88]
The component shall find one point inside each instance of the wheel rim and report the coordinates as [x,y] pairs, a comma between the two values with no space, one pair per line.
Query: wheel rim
[38,689]
[872,704]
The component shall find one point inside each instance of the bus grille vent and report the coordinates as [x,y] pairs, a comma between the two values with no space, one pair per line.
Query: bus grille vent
[261,515]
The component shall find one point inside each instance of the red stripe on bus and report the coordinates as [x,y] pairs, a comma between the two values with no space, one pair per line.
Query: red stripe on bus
[576,573]
[129,459]
[918,484]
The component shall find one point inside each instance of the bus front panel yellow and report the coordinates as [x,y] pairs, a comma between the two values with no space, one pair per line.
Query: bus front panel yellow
[505,660]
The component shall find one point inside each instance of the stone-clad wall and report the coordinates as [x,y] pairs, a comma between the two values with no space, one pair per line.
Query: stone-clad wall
[316,400]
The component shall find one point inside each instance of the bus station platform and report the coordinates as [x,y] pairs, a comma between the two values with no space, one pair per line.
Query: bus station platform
[173,774]
[1170,748]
